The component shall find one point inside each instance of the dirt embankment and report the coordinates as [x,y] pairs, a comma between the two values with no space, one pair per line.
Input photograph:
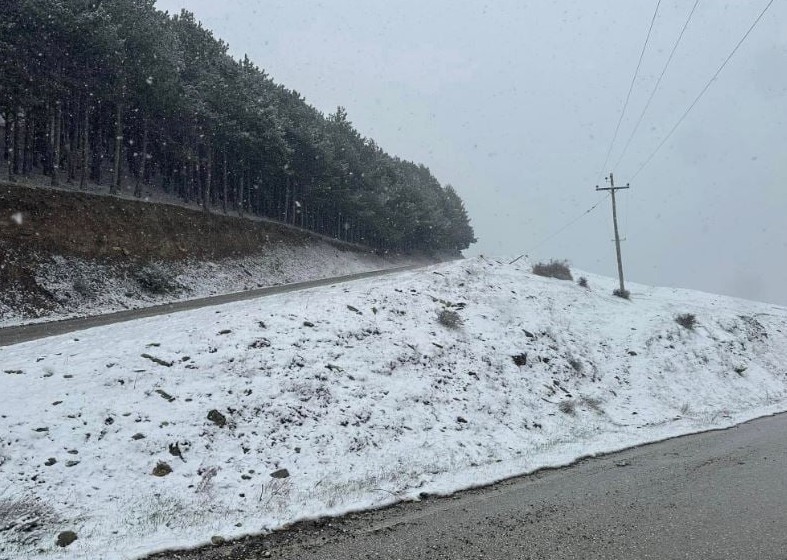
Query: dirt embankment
[92,226]
[65,253]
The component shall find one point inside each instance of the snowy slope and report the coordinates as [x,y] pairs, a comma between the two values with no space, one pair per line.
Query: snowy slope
[91,287]
[362,396]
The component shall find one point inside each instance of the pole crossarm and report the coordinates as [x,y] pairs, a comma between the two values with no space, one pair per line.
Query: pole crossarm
[612,188]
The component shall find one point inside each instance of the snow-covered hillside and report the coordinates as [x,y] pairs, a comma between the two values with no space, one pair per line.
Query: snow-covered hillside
[80,287]
[333,399]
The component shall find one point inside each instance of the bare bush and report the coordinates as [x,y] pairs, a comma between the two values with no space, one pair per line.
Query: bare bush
[83,287]
[567,407]
[156,280]
[449,319]
[583,282]
[623,294]
[23,521]
[553,269]
[687,320]
[592,403]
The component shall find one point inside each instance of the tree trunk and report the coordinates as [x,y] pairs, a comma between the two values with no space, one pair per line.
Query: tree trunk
[117,183]
[143,163]
[287,202]
[99,147]
[9,145]
[184,181]
[208,179]
[17,143]
[196,174]
[224,181]
[85,152]
[26,143]
[239,194]
[73,139]
[56,124]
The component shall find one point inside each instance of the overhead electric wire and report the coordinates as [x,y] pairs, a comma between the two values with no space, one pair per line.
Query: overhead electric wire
[702,92]
[658,82]
[631,88]
[562,229]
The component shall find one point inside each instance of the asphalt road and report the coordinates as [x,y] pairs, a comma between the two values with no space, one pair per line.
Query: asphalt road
[717,495]
[25,333]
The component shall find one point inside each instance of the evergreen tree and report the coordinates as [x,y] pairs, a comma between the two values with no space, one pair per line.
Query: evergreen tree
[89,87]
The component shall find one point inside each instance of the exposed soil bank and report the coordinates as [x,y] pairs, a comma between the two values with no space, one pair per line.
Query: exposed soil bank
[65,253]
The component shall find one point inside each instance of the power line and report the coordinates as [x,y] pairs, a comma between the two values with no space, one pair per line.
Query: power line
[562,229]
[704,89]
[631,88]
[658,82]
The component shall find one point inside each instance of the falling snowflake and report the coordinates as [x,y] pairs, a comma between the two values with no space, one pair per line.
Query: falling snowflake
[17,218]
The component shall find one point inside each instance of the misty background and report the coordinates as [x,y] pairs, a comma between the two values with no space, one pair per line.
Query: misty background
[515,105]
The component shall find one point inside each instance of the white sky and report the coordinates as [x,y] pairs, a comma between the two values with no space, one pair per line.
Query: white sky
[515,103]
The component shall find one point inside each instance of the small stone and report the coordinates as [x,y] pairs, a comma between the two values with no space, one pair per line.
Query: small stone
[138,436]
[461,420]
[281,473]
[65,538]
[308,324]
[158,361]
[225,331]
[72,463]
[217,418]
[161,469]
[217,540]
[164,395]
[51,461]
[520,359]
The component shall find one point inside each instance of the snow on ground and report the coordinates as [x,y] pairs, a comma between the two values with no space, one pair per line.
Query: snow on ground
[362,395]
[89,287]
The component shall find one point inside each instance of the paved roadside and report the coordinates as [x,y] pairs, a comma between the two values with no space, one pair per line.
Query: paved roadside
[25,333]
[716,495]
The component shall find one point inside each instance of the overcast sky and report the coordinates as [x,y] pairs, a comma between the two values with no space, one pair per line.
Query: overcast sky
[515,104]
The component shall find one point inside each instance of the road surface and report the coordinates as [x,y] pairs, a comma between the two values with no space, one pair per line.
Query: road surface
[25,333]
[717,495]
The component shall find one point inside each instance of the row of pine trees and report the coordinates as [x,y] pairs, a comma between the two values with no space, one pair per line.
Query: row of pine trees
[118,93]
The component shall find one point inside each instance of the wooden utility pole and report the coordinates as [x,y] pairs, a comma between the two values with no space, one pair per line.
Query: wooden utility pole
[612,189]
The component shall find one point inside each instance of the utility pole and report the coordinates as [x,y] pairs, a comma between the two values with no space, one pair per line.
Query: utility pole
[612,189]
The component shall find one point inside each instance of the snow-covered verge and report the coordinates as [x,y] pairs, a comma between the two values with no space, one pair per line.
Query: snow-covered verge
[354,396]
[77,286]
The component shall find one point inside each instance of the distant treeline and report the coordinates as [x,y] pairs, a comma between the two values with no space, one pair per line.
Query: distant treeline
[108,91]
